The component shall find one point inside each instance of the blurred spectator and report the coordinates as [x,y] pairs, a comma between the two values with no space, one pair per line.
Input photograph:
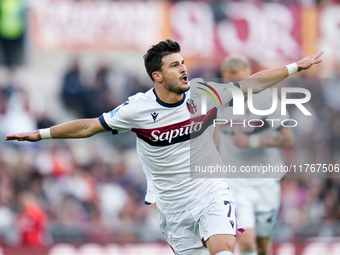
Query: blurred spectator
[87,97]
[12,29]
[97,96]
[73,88]
[15,110]
[7,215]
[31,221]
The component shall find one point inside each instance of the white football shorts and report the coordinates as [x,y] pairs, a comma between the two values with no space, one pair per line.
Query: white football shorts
[187,231]
[257,206]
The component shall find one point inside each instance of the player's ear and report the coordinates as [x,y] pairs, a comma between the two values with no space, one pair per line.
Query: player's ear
[157,76]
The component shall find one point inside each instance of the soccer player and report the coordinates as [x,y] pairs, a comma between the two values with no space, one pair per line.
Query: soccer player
[256,199]
[196,215]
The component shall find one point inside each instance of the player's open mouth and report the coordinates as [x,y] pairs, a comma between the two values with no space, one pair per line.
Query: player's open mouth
[184,78]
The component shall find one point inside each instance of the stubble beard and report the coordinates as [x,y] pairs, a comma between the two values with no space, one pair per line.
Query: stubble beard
[172,87]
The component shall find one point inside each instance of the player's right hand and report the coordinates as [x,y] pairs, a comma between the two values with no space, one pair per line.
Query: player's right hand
[25,136]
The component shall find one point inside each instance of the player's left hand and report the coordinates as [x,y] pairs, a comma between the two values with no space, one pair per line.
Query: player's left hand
[307,62]
[240,139]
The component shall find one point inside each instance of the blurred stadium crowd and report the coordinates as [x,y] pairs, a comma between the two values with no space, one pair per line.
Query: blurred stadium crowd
[93,190]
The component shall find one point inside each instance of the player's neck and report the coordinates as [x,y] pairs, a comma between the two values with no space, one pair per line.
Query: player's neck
[167,96]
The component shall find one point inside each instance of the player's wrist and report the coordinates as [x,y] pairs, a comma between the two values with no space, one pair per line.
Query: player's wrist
[292,68]
[45,133]
[254,141]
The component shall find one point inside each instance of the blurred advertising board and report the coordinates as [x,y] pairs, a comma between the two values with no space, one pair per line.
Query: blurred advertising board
[265,32]
[205,31]
[95,25]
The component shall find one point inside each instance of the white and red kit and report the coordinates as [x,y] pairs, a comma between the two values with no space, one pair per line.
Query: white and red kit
[171,140]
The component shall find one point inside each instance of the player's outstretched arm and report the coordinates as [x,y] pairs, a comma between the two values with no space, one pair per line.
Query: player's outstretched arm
[267,78]
[81,128]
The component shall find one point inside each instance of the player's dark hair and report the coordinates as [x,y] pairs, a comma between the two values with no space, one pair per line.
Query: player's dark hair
[153,57]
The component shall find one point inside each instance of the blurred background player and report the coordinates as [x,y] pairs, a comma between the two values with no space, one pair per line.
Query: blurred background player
[257,199]
[31,221]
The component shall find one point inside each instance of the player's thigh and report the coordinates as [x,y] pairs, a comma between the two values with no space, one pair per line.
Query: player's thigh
[182,233]
[217,223]
[245,203]
[267,207]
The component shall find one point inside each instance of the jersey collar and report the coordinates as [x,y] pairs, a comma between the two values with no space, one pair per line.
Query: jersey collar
[158,100]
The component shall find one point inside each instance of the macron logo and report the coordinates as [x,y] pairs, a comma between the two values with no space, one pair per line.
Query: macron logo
[231,223]
[154,115]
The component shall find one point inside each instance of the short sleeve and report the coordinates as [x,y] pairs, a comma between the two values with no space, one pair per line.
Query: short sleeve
[119,120]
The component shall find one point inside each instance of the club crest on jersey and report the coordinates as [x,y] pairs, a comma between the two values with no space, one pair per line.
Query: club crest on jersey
[192,108]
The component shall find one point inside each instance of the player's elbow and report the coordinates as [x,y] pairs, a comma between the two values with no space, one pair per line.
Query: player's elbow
[85,132]
[91,127]
[88,132]
[253,85]
[258,85]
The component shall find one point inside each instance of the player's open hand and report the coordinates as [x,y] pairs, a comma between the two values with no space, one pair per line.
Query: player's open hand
[25,136]
[307,62]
